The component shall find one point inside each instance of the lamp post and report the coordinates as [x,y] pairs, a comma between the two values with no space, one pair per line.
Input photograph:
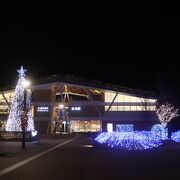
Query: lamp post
[24,114]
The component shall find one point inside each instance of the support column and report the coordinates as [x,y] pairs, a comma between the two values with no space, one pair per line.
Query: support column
[94,104]
[6,100]
[51,124]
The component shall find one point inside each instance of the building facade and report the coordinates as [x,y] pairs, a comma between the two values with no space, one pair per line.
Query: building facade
[66,104]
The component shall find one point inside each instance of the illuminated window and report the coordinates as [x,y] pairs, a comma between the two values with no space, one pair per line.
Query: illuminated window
[8,97]
[32,110]
[108,97]
[113,108]
[133,108]
[120,108]
[139,100]
[127,108]
[4,109]
[85,126]
[133,99]
[120,98]
[127,100]
[152,108]
[139,108]
[151,100]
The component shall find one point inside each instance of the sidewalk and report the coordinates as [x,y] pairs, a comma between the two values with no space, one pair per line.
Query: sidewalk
[11,152]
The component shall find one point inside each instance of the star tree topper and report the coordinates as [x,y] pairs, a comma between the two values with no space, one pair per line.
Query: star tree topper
[21,72]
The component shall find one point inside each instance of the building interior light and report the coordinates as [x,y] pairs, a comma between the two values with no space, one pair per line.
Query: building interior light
[109,127]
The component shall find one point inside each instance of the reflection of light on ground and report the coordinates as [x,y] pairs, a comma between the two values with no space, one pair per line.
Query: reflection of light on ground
[87,145]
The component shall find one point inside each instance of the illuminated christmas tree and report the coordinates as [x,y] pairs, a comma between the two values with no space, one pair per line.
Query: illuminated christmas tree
[14,119]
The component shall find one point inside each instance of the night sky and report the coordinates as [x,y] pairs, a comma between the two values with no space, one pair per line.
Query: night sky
[137,52]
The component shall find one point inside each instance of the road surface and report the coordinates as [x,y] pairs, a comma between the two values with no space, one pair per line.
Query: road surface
[80,159]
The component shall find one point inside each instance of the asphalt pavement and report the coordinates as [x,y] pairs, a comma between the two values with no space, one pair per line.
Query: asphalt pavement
[83,159]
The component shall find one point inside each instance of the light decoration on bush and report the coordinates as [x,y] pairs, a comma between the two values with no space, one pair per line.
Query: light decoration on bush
[175,136]
[33,133]
[136,140]
[166,113]
[159,132]
[14,119]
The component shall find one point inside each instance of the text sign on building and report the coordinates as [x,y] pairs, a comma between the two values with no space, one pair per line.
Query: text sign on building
[42,109]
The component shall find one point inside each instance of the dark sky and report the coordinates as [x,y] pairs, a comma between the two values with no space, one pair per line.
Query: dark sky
[138,52]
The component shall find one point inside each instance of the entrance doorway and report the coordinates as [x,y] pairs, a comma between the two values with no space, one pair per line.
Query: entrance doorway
[85,126]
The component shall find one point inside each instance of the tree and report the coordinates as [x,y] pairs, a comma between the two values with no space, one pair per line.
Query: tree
[166,113]
[14,121]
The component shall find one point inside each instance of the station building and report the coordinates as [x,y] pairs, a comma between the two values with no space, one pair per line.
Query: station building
[66,104]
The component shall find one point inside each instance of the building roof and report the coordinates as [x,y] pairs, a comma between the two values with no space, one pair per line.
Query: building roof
[71,79]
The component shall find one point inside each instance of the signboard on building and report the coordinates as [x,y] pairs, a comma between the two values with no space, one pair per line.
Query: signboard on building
[42,109]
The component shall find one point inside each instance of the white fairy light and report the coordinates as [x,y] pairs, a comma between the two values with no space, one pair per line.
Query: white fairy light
[166,113]
[14,119]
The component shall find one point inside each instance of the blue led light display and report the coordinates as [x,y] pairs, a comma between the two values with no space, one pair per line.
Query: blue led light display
[135,140]
[175,136]
[124,127]
[159,132]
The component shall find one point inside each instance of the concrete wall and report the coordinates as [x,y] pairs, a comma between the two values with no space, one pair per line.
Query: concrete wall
[42,96]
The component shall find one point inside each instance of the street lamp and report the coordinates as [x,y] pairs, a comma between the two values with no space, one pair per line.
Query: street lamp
[62,109]
[24,114]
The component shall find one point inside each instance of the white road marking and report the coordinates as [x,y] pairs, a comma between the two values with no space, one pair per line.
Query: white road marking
[21,163]
[88,146]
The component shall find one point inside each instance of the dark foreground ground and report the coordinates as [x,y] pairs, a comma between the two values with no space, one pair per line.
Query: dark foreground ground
[79,160]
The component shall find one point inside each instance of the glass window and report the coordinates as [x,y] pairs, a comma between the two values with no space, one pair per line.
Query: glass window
[109,96]
[133,108]
[4,109]
[116,100]
[139,99]
[126,98]
[152,108]
[127,108]
[151,100]
[139,108]
[85,126]
[106,108]
[133,99]
[120,98]
[120,108]
[113,108]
